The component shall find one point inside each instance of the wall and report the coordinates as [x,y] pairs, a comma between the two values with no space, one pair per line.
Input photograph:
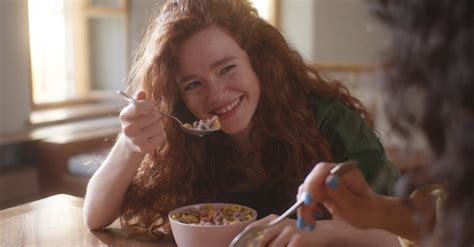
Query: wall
[297,24]
[333,31]
[15,75]
[140,16]
[345,32]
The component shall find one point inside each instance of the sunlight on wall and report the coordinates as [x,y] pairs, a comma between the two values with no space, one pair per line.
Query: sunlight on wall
[265,9]
[262,7]
[47,44]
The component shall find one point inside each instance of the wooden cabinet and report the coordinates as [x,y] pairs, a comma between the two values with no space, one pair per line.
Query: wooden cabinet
[53,155]
[18,185]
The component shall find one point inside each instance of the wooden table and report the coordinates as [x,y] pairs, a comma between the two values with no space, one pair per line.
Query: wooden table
[57,221]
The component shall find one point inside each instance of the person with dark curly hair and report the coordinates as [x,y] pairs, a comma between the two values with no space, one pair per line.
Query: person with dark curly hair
[279,117]
[432,58]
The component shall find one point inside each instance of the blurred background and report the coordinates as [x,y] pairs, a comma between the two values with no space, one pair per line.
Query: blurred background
[61,62]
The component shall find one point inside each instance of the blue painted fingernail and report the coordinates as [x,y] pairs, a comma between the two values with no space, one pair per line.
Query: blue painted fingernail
[299,223]
[310,227]
[307,199]
[319,215]
[332,183]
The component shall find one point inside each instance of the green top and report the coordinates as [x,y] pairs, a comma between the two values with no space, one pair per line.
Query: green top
[351,138]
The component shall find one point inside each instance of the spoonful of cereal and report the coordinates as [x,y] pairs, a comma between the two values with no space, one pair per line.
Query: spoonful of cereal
[199,128]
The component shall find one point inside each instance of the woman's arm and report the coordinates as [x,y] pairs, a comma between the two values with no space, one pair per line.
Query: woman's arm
[142,133]
[107,187]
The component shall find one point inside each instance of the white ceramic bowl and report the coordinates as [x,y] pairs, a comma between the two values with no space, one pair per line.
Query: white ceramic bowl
[192,235]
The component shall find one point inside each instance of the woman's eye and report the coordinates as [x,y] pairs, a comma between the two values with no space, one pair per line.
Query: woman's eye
[227,69]
[192,85]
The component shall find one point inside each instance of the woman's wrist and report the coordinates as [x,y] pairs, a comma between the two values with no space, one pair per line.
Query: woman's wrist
[128,150]
[378,212]
[395,216]
[380,208]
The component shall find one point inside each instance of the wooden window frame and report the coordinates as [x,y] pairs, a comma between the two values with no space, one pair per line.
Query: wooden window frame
[81,50]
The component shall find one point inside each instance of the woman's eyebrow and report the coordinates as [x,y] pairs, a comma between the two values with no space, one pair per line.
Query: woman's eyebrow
[221,61]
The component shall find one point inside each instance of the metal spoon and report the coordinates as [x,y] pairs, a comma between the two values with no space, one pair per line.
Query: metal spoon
[191,131]
[251,236]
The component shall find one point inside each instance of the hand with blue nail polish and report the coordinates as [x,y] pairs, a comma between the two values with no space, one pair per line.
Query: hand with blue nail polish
[347,196]
[307,198]
[279,234]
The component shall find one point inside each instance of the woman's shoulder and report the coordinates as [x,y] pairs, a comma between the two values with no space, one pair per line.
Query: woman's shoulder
[328,112]
[322,103]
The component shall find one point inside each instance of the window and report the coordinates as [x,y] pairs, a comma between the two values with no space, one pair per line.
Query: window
[78,49]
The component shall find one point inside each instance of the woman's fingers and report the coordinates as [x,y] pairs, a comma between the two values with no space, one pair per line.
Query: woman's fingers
[149,137]
[272,233]
[314,183]
[346,190]
[140,95]
[350,198]
[285,235]
[354,180]
[132,111]
[340,195]
[141,124]
[141,106]
[137,126]
[312,190]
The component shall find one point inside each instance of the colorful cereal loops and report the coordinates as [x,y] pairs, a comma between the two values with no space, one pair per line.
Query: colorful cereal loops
[207,124]
[208,215]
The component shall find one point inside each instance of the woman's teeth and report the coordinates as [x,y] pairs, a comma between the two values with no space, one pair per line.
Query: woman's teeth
[228,107]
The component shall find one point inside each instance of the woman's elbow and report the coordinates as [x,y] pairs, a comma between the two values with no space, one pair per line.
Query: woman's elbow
[92,221]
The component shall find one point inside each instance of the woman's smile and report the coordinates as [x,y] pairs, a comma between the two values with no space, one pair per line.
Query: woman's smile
[229,110]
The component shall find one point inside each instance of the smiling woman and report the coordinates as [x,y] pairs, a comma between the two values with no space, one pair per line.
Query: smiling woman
[218,57]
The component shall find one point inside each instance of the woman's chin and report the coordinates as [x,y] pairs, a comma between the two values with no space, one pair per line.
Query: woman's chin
[235,130]
[232,131]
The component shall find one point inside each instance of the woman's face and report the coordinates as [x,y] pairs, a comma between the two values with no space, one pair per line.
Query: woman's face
[215,77]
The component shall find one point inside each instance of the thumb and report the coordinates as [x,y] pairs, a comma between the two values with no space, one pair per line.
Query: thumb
[140,95]
[347,189]
[351,177]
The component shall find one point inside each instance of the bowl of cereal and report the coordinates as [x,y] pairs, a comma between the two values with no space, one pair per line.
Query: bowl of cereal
[209,224]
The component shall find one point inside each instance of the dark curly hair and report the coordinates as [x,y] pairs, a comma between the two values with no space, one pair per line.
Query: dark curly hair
[433,54]
[187,169]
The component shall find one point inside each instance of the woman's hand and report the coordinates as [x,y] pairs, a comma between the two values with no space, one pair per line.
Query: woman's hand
[142,125]
[278,235]
[328,233]
[340,233]
[347,196]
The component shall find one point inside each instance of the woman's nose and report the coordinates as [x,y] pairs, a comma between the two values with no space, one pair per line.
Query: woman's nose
[215,91]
